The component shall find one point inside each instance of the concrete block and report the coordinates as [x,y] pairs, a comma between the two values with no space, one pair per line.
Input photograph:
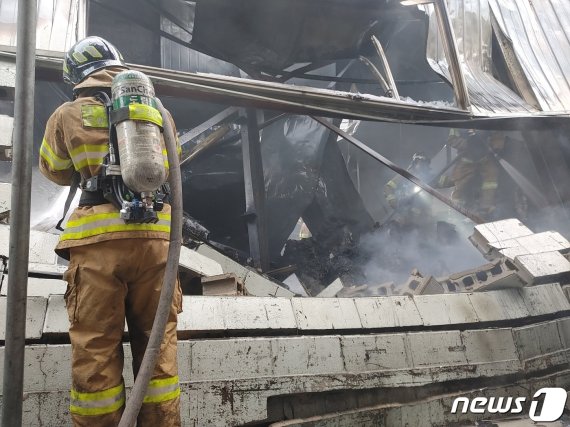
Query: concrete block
[500,305]
[388,312]
[281,292]
[490,346]
[494,233]
[222,285]
[42,258]
[35,315]
[258,285]
[42,247]
[201,314]
[331,290]
[254,283]
[506,280]
[430,286]
[40,287]
[538,339]
[564,331]
[544,299]
[547,267]
[436,349]
[566,290]
[410,287]
[295,285]
[6,133]
[5,197]
[217,314]
[363,353]
[326,313]
[199,264]
[307,356]
[56,320]
[238,358]
[228,265]
[446,309]
[7,74]
[47,367]
[535,243]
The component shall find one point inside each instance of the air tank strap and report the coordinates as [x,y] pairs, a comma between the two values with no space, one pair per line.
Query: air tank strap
[141,112]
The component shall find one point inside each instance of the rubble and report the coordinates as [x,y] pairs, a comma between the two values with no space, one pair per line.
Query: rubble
[331,290]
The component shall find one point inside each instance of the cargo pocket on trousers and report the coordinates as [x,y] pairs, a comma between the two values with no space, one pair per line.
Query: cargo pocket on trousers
[70,297]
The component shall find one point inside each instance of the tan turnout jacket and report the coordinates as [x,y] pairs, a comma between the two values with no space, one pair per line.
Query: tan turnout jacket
[76,139]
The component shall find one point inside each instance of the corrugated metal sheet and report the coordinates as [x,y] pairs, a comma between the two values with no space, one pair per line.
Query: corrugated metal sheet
[471,21]
[60,23]
[175,56]
[540,34]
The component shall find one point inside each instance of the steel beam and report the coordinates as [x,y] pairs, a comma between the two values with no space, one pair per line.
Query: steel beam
[452,55]
[255,215]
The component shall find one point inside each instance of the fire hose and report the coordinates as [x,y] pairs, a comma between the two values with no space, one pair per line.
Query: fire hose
[138,391]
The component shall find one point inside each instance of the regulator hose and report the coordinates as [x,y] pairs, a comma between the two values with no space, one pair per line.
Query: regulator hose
[148,364]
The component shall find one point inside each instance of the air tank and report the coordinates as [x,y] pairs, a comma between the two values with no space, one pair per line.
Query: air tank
[138,132]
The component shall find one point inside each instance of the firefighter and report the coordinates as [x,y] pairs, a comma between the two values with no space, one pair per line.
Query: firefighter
[476,173]
[411,210]
[115,268]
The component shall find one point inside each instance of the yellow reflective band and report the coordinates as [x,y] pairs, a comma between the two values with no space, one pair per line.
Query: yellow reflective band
[89,155]
[162,390]
[391,184]
[97,403]
[94,225]
[94,116]
[145,113]
[53,160]
[390,197]
[464,160]
[490,185]
[165,155]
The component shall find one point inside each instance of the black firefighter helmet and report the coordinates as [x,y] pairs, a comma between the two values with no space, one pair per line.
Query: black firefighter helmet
[88,55]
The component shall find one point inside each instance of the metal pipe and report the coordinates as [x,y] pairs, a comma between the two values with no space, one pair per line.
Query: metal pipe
[13,383]
[379,76]
[452,55]
[386,67]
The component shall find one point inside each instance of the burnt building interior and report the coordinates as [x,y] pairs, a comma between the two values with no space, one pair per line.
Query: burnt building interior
[270,185]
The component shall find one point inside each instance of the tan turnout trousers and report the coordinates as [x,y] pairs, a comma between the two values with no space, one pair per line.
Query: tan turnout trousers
[108,282]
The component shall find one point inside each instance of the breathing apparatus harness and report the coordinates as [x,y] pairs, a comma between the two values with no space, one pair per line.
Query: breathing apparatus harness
[134,207]
[133,174]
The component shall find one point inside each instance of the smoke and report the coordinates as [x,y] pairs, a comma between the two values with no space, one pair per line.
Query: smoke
[390,259]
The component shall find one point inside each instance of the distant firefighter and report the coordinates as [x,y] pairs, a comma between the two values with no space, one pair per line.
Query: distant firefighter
[411,209]
[476,173]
